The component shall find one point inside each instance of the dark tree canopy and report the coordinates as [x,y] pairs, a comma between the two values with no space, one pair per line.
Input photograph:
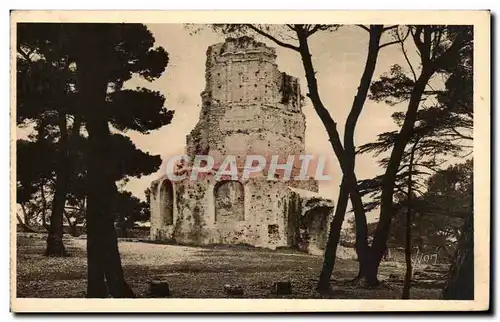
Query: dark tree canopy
[48,87]
[71,85]
[439,212]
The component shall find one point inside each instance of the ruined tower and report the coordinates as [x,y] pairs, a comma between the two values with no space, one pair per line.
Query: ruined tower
[248,107]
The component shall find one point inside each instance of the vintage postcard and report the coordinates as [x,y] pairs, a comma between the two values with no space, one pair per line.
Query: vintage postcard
[272,161]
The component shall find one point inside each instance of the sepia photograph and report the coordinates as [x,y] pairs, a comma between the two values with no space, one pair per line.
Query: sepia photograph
[156,160]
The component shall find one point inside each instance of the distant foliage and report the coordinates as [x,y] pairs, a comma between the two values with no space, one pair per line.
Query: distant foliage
[439,213]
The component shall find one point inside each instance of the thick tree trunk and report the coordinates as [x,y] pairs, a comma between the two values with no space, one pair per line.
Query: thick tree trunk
[55,246]
[104,263]
[44,207]
[41,133]
[460,284]
[408,273]
[430,65]
[363,88]
[389,180]
[331,128]
[333,240]
[350,127]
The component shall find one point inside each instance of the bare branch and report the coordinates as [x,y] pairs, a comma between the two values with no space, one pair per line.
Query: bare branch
[419,43]
[364,27]
[463,136]
[388,44]
[390,27]
[272,38]
[467,154]
[314,29]
[403,49]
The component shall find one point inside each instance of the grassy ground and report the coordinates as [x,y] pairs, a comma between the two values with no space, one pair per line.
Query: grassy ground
[195,272]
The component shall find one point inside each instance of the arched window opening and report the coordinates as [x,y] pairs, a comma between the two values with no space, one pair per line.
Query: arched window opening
[229,201]
[166,203]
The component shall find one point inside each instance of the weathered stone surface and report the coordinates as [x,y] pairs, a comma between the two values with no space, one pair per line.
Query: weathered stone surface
[312,215]
[159,289]
[248,107]
[282,288]
[233,289]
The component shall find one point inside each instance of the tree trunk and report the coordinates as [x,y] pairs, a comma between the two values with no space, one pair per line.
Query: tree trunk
[104,263]
[389,180]
[26,216]
[408,273]
[55,246]
[340,153]
[333,240]
[72,227]
[460,284]
[350,127]
[359,101]
[44,207]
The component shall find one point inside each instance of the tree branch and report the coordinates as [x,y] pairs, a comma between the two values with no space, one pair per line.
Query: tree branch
[388,44]
[313,30]
[463,136]
[419,43]
[399,40]
[390,27]
[364,27]
[316,28]
[405,54]
[272,38]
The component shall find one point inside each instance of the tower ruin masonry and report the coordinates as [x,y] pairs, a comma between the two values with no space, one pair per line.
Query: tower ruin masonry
[248,107]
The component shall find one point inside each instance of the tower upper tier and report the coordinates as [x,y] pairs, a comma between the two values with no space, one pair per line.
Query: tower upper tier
[244,70]
[248,105]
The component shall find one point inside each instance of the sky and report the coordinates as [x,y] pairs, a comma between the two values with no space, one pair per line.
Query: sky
[339,59]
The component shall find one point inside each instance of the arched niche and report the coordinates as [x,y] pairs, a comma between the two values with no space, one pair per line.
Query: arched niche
[229,197]
[166,203]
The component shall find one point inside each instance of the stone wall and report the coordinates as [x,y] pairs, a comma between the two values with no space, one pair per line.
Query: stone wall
[257,212]
[248,107]
[308,220]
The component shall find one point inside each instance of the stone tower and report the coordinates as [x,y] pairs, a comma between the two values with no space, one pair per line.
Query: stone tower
[248,107]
